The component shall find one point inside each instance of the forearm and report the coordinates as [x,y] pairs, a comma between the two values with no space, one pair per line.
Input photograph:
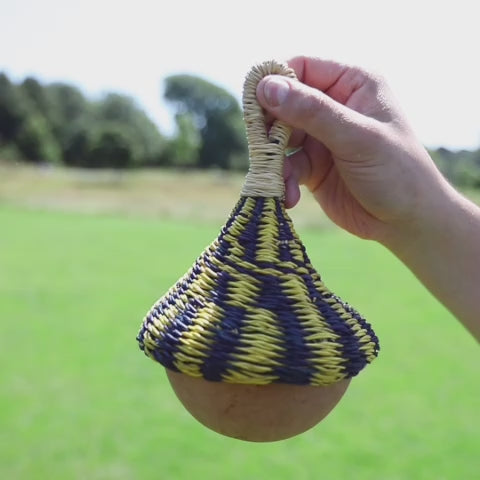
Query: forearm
[443,250]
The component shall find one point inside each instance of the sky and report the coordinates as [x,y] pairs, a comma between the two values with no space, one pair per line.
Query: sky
[427,51]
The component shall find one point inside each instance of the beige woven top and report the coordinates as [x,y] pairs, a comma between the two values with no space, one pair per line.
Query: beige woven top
[266,149]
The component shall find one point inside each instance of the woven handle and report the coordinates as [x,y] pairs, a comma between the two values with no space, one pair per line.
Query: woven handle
[266,149]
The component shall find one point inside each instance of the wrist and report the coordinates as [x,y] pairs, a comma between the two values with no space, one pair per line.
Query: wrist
[427,224]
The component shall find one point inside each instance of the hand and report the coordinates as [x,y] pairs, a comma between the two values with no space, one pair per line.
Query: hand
[366,168]
[358,156]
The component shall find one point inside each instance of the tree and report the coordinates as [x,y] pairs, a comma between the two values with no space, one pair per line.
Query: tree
[22,123]
[69,104]
[111,146]
[35,140]
[67,111]
[215,113]
[77,145]
[37,96]
[122,109]
[461,167]
[183,149]
[12,109]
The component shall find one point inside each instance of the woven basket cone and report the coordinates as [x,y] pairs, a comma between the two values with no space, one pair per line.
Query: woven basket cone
[252,311]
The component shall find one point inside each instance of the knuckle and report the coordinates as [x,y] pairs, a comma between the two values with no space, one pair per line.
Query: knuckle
[368,78]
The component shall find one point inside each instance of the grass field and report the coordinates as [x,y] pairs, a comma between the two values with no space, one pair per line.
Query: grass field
[78,400]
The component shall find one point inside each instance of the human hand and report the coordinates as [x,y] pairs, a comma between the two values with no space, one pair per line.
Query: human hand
[359,157]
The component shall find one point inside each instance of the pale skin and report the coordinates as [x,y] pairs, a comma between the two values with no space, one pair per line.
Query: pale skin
[371,175]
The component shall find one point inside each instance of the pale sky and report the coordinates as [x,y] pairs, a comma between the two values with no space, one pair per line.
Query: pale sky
[428,51]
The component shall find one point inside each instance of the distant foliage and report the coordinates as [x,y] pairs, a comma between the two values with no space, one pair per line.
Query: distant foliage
[35,140]
[215,114]
[13,110]
[56,124]
[183,150]
[462,167]
[121,114]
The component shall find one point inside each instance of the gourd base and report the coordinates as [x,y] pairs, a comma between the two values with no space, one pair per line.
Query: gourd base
[256,413]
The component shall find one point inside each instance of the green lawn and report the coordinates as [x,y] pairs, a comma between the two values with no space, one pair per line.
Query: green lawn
[78,400]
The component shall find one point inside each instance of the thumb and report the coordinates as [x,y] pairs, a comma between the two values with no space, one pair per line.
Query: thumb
[311,110]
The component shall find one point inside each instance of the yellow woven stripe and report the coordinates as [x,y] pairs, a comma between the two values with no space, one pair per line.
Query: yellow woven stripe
[158,325]
[368,346]
[256,270]
[260,343]
[194,343]
[268,235]
[237,228]
[365,340]
[257,356]
[325,351]
[200,287]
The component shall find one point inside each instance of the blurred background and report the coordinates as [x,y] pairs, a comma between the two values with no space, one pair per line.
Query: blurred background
[122,151]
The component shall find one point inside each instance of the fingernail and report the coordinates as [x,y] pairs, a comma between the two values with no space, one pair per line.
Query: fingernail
[276,90]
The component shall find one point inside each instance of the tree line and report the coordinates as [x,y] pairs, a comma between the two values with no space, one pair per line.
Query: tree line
[57,124]
[462,168]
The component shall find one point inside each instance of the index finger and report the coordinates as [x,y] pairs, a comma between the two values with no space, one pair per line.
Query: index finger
[317,72]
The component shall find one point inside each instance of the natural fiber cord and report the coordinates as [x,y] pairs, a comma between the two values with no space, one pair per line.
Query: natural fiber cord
[252,309]
[267,150]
